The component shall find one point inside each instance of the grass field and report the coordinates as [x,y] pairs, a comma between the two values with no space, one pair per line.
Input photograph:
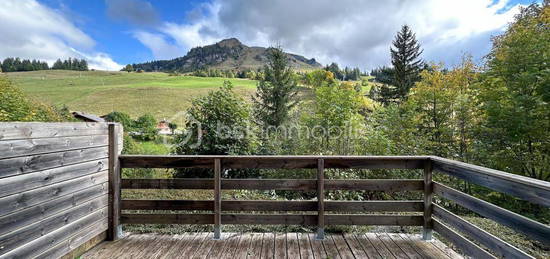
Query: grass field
[100,92]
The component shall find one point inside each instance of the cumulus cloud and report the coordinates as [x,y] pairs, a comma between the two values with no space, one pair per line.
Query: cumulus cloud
[353,33]
[134,11]
[33,31]
[158,45]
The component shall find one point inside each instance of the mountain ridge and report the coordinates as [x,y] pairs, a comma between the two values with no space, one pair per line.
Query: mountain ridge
[227,54]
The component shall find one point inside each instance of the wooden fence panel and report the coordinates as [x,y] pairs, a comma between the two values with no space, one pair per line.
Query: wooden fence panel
[53,187]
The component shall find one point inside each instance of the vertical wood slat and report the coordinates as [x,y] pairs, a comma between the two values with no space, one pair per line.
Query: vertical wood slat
[217,198]
[428,197]
[321,199]
[115,229]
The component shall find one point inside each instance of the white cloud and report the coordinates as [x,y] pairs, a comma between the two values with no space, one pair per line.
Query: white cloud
[350,32]
[33,31]
[158,45]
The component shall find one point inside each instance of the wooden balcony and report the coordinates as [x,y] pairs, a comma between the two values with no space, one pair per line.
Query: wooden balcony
[60,187]
[272,245]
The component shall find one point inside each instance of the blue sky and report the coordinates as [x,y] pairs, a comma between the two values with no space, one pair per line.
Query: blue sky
[112,33]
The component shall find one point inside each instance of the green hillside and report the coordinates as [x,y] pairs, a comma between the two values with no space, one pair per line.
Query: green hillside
[100,92]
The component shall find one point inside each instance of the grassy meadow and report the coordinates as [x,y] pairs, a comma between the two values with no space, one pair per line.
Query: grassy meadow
[100,92]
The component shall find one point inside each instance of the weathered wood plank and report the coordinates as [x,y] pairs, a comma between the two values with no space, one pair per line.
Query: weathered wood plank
[320,199]
[38,246]
[505,217]
[244,246]
[264,219]
[21,183]
[355,247]
[342,246]
[26,130]
[94,233]
[316,246]
[218,246]
[428,197]
[462,243]
[379,245]
[268,245]
[255,247]
[41,211]
[526,188]
[423,248]
[374,206]
[34,163]
[271,205]
[395,185]
[274,162]
[231,246]
[195,245]
[280,245]
[306,250]
[380,220]
[366,246]
[330,248]
[115,230]
[26,234]
[404,245]
[167,218]
[19,201]
[272,219]
[392,185]
[185,241]
[208,248]
[217,198]
[394,249]
[26,147]
[497,245]
[292,247]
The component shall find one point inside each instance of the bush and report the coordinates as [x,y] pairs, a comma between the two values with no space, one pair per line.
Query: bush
[16,106]
[220,125]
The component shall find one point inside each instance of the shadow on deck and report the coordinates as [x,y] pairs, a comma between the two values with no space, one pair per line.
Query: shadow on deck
[269,245]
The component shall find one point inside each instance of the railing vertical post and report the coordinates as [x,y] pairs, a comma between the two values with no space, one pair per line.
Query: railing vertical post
[217,198]
[428,197]
[321,198]
[114,230]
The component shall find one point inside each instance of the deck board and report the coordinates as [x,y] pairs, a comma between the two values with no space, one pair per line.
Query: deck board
[270,245]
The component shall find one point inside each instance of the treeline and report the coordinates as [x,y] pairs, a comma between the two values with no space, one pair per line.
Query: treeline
[346,74]
[248,73]
[17,64]
[71,64]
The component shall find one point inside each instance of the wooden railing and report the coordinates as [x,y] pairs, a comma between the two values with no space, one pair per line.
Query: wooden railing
[429,216]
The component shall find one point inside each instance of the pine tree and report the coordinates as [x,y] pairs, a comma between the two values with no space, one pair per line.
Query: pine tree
[58,64]
[406,62]
[276,90]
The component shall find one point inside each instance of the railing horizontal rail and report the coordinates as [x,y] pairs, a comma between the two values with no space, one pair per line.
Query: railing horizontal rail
[268,205]
[505,217]
[461,242]
[388,185]
[495,244]
[270,219]
[526,188]
[274,162]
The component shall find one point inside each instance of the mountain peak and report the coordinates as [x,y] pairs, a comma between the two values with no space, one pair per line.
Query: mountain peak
[230,43]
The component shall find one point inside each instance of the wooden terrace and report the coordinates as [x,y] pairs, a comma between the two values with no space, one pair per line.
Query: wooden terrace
[60,195]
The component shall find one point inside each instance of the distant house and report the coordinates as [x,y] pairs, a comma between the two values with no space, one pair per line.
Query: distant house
[163,128]
[87,117]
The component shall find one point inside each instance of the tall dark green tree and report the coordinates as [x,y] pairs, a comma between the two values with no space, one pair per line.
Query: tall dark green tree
[276,92]
[405,58]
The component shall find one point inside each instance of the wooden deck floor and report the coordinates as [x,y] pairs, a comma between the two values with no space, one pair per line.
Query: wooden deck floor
[269,245]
